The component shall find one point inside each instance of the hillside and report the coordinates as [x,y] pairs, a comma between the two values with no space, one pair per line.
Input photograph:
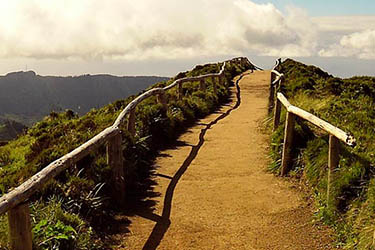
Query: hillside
[349,105]
[74,210]
[26,97]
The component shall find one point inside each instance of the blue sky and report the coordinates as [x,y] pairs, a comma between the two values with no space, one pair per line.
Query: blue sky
[328,7]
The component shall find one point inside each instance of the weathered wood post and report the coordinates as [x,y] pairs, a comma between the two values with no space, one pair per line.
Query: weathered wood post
[180,94]
[20,227]
[279,83]
[276,115]
[271,98]
[288,143]
[115,161]
[202,85]
[333,163]
[131,122]
[273,77]
[161,98]
[214,84]
[278,61]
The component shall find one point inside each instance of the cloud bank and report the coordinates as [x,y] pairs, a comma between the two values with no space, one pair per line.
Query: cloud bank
[358,44]
[149,29]
[143,30]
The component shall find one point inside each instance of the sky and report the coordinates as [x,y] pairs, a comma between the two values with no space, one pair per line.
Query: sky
[327,7]
[164,37]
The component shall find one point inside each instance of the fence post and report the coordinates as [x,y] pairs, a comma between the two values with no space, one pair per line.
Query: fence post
[276,117]
[214,84]
[115,161]
[273,77]
[333,163]
[288,143]
[20,227]
[131,122]
[180,94]
[202,85]
[279,83]
[271,98]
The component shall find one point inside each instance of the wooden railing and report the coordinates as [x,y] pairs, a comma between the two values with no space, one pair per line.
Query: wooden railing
[15,202]
[335,134]
[276,80]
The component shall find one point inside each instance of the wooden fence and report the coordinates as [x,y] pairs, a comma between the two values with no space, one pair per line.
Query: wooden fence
[276,80]
[15,202]
[335,134]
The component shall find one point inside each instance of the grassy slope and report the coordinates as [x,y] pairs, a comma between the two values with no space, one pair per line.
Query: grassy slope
[348,104]
[72,210]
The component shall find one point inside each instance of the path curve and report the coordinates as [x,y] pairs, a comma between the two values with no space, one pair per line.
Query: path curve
[216,193]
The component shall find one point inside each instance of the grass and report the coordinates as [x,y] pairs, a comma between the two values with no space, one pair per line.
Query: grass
[347,104]
[70,211]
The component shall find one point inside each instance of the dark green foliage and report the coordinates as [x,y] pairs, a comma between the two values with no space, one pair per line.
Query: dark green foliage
[347,104]
[84,208]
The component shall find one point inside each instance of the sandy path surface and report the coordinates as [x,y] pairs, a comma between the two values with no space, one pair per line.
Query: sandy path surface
[216,193]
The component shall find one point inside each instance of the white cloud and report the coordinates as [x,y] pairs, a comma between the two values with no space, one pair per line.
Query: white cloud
[149,29]
[358,44]
[299,21]
[146,30]
[346,24]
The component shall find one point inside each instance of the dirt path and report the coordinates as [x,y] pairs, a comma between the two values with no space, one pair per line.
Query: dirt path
[216,193]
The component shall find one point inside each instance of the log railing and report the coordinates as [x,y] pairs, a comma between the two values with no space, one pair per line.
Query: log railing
[16,202]
[335,134]
[276,80]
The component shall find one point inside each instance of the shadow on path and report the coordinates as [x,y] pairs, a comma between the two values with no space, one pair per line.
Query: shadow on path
[163,222]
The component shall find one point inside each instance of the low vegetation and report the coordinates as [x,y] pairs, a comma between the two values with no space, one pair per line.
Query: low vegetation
[72,210]
[349,105]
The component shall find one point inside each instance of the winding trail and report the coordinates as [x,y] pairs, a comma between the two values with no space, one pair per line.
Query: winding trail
[216,193]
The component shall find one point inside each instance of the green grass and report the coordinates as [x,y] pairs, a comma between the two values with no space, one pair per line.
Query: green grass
[70,211]
[349,105]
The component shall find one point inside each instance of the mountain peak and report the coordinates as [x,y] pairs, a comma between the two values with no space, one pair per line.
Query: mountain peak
[29,73]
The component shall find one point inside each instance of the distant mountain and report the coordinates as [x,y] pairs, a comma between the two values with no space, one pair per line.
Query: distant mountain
[26,97]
